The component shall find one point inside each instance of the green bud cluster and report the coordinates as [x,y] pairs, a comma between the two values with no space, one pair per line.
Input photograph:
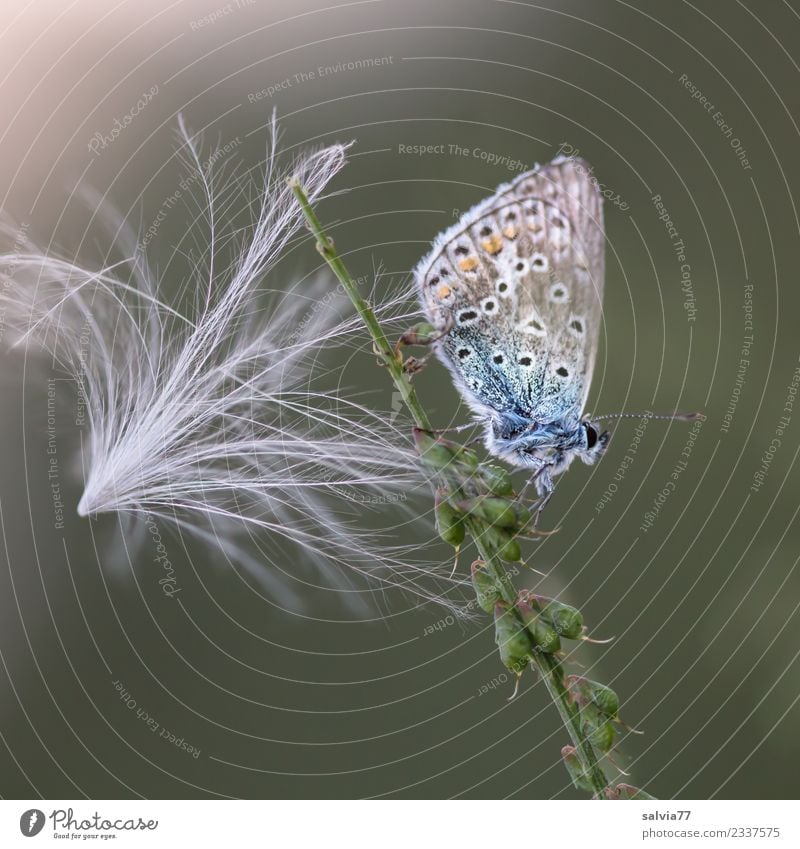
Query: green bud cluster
[482,493]
[532,624]
[480,498]
[566,621]
[535,623]
[599,706]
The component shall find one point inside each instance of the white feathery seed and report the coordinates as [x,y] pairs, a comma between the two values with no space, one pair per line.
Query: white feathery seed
[201,409]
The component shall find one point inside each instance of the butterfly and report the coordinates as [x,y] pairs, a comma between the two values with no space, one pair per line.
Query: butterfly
[516,289]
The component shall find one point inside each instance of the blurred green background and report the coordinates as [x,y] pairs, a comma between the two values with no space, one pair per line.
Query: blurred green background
[695,103]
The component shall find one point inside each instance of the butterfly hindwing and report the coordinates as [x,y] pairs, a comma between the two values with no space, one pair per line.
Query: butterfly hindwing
[520,277]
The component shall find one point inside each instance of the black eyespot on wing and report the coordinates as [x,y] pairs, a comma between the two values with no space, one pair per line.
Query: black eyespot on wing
[498,358]
[520,266]
[562,371]
[463,353]
[461,250]
[486,231]
[577,326]
[525,361]
[502,287]
[467,315]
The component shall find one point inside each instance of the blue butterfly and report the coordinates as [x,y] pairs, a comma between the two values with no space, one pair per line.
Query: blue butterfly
[519,283]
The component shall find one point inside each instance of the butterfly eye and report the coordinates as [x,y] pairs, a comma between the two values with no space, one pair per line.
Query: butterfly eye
[591,436]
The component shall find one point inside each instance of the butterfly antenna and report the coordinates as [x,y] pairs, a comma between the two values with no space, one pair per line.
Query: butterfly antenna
[677,415]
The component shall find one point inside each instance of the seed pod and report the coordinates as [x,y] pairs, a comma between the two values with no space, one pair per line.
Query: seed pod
[512,638]
[449,522]
[486,590]
[420,334]
[586,692]
[567,620]
[602,736]
[435,453]
[569,754]
[605,698]
[544,636]
[511,551]
[500,542]
[598,728]
[496,479]
[499,512]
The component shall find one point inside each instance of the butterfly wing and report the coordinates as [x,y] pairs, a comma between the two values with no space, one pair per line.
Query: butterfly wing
[520,278]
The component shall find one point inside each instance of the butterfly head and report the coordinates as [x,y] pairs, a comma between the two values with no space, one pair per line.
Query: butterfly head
[546,447]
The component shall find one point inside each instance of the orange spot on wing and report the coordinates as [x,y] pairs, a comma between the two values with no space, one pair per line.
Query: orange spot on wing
[493,244]
[469,263]
[443,292]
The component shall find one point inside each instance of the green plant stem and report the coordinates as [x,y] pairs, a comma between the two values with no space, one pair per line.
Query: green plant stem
[548,667]
[392,359]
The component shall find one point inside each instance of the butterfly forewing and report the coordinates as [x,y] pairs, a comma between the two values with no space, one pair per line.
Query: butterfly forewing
[520,279]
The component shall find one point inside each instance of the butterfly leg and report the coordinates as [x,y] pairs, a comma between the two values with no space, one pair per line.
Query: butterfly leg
[543,481]
[412,365]
[540,505]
